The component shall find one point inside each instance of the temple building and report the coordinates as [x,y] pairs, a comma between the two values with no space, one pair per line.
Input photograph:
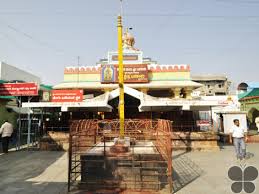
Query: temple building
[248,94]
[152,90]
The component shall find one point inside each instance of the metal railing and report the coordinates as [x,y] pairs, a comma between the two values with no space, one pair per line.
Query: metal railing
[146,166]
[191,126]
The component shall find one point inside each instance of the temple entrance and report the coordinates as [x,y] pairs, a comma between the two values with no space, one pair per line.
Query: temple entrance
[183,120]
[131,109]
[252,114]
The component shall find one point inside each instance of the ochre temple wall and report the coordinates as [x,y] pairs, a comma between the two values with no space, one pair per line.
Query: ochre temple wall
[152,76]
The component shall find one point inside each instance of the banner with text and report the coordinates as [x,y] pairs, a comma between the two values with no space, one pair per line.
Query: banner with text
[137,73]
[18,89]
[66,95]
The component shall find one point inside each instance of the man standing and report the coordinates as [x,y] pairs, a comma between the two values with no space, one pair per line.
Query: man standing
[6,130]
[239,137]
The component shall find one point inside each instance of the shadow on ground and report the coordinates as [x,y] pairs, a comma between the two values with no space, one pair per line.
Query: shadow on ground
[185,171]
[25,172]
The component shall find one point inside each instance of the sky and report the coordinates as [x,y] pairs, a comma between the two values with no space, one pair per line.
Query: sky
[213,36]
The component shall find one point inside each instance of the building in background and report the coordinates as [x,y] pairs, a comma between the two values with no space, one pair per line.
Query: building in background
[248,94]
[213,85]
[9,73]
[9,105]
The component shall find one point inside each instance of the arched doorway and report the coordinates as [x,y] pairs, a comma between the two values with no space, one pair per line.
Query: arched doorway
[252,114]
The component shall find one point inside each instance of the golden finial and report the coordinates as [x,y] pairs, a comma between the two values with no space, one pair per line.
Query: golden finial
[119,21]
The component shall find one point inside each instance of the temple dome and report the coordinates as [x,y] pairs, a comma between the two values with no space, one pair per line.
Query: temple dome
[128,41]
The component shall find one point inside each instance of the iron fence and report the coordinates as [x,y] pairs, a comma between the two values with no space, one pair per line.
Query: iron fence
[147,165]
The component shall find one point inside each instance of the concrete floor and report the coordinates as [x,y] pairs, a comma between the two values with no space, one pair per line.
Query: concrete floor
[207,172]
[32,172]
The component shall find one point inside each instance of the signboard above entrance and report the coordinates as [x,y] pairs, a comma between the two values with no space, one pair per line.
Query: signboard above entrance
[126,57]
[132,73]
[18,89]
[129,57]
[66,95]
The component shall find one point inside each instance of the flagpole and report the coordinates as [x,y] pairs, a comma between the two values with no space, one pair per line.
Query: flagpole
[121,75]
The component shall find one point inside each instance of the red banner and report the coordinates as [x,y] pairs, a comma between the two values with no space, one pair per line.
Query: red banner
[135,73]
[203,122]
[19,89]
[66,95]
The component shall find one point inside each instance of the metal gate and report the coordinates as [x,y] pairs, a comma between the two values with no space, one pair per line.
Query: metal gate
[29,132]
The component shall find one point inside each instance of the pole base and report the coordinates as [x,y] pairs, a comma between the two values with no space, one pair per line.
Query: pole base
[120,146]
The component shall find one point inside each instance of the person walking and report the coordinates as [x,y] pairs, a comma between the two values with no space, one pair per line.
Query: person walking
[238,133]
[6,130]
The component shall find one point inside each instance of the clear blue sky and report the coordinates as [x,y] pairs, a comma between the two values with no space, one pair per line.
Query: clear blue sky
[213,36]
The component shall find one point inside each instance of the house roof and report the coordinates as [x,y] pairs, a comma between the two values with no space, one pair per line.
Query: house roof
[151,84]
[98,103]
[45,87]
[250,95]
[2,81]
[209,77]
[7,97]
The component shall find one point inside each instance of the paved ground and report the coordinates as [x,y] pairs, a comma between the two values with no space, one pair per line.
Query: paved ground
[207,172]
[32,172]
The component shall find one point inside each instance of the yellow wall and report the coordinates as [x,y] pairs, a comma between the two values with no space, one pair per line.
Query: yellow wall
[157,76]
[167,76]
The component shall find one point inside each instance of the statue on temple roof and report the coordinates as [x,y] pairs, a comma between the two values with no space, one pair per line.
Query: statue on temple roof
[128,41]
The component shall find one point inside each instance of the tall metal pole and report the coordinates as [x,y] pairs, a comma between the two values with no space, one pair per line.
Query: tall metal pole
[121,77]
[29,125]
[19,122]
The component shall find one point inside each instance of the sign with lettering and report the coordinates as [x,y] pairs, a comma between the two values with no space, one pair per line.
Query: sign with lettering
[66,95]
[203,123]
[132,73]
[126,57]
[19,89]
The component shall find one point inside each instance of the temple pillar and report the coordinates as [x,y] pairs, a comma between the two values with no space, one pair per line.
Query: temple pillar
[176,92]
[188,92]
[144,90]
[107,89]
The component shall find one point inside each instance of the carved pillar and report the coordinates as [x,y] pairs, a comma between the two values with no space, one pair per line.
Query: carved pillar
[176,92]
[107,89]
[144,90]
[188,92]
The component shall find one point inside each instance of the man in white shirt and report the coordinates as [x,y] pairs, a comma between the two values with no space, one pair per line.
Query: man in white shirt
[239,135]
[6,130]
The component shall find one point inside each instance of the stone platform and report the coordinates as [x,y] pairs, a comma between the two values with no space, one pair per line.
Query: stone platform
[142,168]
[202,141]
[253,138]
[55,141]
